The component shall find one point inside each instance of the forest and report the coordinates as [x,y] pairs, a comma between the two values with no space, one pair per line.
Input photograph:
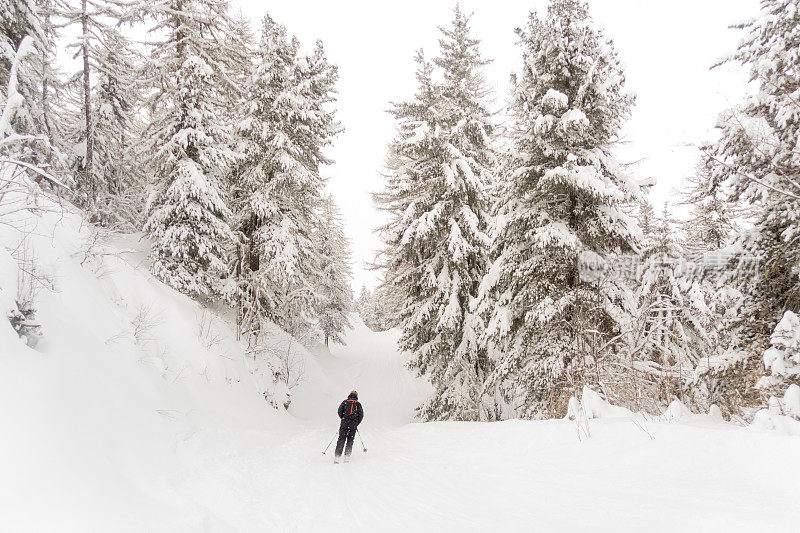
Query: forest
[522,261]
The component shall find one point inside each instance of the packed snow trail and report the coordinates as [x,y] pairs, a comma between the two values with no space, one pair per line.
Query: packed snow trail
[509,476]
[371,364]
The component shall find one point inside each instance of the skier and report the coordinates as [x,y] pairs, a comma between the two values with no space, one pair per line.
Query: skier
[351,413]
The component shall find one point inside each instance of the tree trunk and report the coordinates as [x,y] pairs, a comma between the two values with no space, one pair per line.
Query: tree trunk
[45,96]
[87,107]
[574,276]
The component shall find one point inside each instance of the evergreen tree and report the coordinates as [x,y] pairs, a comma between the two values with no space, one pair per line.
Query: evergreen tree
[782,358]
[118,175]
[674,326]
[105,99]
[647,219]
[334,293]
[378,309]
[713,219]
[707,234]
[21,19]
[755,163]
[277,181]
[435,249]
[187,215]
[90,16]
[240,45]
[563,198]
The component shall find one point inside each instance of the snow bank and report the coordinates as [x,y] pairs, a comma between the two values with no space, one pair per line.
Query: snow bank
[782,415]
[766,420]
[593,406]
[791,401]
[126,369]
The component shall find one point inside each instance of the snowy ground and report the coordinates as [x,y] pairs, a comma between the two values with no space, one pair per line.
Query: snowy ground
[105,427]
[698,475]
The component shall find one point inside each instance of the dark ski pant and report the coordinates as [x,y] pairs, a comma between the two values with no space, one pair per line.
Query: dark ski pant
[347,434]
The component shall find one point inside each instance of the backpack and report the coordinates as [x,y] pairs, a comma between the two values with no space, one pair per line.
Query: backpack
[351,408]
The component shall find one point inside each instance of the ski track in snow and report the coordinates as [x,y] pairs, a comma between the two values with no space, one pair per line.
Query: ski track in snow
[508,476]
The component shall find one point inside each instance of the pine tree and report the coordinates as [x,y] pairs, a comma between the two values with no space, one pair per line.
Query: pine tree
[13,145]
[647,218]
[782,358]
[563,197]
[435,249]
[106,96]
[187,215]
[713,222]
[21,19]
[19,150]
[277,181]
[378,309]
[756,161]
[240,45]
[117,100]
[334,293]
[674,325]
[713,219]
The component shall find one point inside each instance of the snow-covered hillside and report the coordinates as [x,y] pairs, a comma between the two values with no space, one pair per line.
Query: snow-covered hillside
[125,370]
[137,411]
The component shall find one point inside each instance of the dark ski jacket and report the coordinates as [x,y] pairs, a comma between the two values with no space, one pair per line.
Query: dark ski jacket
[351,412]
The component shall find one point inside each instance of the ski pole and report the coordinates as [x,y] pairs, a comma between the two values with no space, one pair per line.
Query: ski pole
[362,441]
[329,442]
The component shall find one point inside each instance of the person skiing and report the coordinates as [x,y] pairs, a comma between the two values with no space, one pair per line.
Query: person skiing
[351,413]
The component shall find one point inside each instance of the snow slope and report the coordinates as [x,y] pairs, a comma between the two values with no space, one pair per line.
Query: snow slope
[130,416]
[509,476]
[680,472]
[370,363]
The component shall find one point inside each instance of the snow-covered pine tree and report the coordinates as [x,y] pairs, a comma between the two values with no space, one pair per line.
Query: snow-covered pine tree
[92,18]
[19,164]
[713,218]
[563,196]
[363,298]
[187,215]
[107,183]
[782,359]
[334,292]
[277,183]
[316,79]
[646,215]
[121,181]
[13,145]
[378,309]
[673,326]
[20,19]
[757,159]
[708,231]
[240,48]
[435,246]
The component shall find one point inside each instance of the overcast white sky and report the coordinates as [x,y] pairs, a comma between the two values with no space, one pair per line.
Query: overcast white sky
[666,45]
